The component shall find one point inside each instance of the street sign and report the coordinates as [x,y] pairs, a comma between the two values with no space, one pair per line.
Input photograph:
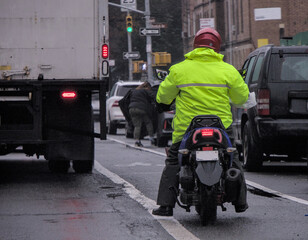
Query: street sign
[132,55]
[207,23]
[160,25]
[128,3]
[149,31]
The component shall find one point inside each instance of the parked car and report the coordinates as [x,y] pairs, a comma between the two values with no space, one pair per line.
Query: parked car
[279,123]
[115,118]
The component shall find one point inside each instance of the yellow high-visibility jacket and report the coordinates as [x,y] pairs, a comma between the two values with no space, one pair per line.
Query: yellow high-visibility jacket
[202,84]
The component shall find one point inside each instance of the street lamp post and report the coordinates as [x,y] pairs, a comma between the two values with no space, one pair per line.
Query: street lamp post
[148,41]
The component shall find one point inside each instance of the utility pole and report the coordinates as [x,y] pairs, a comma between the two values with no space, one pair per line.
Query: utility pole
[148,41]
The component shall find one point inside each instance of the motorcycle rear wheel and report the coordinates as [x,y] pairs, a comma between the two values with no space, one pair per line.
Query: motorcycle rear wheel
[208,205]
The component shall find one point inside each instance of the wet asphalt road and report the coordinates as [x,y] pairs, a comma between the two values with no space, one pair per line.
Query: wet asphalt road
[36,204]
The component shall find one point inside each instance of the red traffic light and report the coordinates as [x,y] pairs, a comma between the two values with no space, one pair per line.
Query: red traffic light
[105,51]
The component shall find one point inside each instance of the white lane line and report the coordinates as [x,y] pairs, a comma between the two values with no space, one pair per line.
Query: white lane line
[170,224]
[250,183]
[279,194]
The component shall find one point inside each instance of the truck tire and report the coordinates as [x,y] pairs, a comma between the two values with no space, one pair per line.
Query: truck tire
[83,166]
[252,153]
[58,166]
[86,166]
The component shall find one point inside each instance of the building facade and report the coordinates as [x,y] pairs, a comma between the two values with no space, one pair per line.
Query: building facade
[244,25]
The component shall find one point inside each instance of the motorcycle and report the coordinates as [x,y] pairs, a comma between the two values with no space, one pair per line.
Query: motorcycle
[207,178]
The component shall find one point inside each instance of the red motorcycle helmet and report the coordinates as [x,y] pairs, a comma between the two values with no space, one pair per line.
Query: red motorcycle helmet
[208,37]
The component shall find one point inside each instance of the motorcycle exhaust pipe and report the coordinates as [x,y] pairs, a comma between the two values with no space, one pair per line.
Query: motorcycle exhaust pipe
[232,184]
[233,174]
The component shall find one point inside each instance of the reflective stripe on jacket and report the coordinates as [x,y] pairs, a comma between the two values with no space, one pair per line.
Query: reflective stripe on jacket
[202,84]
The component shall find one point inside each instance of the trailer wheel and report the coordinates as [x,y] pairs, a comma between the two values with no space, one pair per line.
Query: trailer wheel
[83,166]
[58,166]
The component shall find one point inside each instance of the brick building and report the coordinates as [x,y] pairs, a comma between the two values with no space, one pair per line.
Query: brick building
[244,24]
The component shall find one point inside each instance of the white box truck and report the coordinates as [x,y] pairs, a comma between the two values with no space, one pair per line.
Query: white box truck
[54,55]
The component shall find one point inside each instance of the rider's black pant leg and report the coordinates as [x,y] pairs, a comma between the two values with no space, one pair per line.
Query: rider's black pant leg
[169,177]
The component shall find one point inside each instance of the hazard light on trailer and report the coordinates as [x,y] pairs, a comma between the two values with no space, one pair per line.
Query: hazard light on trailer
[105,51]
[69,95]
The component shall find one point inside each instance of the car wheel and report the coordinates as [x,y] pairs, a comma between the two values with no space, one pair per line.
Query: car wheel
[252,153]
[112,129]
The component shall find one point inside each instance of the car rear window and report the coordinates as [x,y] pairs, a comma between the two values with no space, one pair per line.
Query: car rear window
[122,90]
[290,67]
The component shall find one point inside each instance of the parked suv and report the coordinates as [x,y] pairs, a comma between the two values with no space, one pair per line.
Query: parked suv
[279,123]
[115,118]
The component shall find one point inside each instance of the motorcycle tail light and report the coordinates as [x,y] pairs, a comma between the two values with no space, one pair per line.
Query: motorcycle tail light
[207,132]
[207,149]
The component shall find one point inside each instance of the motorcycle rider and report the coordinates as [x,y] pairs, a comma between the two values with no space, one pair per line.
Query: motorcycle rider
[202,84]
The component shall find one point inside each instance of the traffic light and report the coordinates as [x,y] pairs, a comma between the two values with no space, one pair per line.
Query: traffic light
[129,23]
[161,58]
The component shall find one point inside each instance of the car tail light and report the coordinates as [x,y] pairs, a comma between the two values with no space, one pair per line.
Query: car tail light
[263,102]
[165,124]
[115,104]
[207,132]
[68,94]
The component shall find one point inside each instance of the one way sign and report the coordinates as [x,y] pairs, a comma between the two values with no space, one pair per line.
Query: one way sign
[149,31]
[133,55]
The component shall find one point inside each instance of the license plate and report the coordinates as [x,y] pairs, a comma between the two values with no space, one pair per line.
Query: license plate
[207,156]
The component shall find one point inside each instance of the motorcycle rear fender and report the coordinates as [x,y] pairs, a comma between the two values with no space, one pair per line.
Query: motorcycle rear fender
[209,172]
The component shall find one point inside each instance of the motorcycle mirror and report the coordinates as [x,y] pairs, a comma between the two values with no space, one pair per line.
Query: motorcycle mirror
[184,151]
[231,149]
[161,74]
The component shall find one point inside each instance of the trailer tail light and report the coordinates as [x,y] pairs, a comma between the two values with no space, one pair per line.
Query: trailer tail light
[263,102]
[68,94]
[105,51]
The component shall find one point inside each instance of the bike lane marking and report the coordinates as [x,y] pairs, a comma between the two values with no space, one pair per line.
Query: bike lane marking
[248,182]
[170,224]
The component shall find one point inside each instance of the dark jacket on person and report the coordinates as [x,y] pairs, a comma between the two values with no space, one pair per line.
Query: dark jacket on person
[142,99]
